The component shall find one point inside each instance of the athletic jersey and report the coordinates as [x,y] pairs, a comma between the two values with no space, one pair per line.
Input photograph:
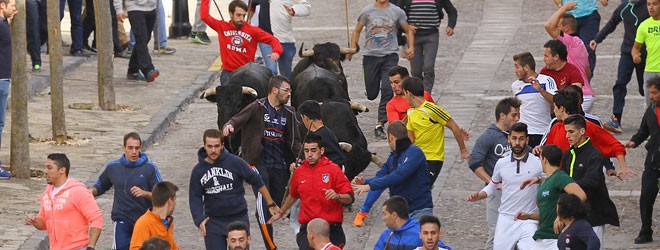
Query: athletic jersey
[566,76]
[546,197]
[397,107]
[511,172]
[535,110]
[273,137]
[648,33]
[428,124]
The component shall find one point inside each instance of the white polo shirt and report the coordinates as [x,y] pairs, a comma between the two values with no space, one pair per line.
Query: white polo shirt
[535,110]
[511,172]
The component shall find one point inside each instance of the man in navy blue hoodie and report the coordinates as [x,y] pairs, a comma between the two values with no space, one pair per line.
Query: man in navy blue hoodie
[404,173]
[133,177]
[216,194]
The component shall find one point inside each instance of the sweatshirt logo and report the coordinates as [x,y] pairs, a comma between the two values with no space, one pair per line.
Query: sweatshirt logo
[325,178]
[217,187]
[236,41]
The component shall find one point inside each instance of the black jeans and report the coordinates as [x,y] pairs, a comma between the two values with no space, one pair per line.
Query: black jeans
[647,198]
[142,24]
[32,29]
[337,236]
[89,25]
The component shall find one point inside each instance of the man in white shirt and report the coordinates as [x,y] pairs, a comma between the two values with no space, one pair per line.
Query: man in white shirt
[510,172]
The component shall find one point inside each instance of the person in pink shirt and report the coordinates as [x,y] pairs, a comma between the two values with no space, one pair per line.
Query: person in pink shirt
[68,210]
[560,26]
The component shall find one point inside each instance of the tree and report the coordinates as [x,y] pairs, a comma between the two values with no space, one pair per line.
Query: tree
[20,144]
[56,71]
[105,47]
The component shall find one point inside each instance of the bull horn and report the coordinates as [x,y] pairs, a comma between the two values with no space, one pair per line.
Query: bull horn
[206,93]
[345,50]
[377,160]
[250,91]
[347,147]
[307,53]
[359,107]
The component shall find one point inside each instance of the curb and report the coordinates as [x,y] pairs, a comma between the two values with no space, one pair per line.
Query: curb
[38,83]
[151,132]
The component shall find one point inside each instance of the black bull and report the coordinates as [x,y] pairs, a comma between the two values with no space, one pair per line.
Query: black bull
[325,55]
[246,84]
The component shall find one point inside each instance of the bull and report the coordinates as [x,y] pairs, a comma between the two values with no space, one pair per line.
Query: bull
[325,55]
[246,84]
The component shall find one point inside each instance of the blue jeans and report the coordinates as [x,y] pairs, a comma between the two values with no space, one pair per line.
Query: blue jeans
[421,212]
[372,197]
[623,76]
[4,92]
[286,58]
[224,77]
[75,12]
[123,233]
[159,30]
[587,30]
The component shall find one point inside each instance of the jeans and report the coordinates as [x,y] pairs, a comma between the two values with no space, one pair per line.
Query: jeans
[43,26]
[422,64]
[372,197]
[224,77]
[89,26]
[159,32]
[198,25]
[587,30]
[4,92]
[623,76]
[376,79]
[286,58]
[142,24]
[417,214]
[32,29]
[75,12]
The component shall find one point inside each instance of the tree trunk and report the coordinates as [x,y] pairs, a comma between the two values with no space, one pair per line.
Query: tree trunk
[105,48]
[56,71]
[20,145]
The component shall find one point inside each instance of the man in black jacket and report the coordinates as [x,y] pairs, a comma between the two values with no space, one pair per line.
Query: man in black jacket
[584,163]
[650,126]
[632,13]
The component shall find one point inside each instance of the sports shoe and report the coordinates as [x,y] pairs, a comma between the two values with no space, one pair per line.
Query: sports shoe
[151,76]
[36,68]
[379,132]
[613,126]
[80,53]
[165,50]
[136,76]
[124,54]
[4,174]
[643,238]
[129,50]
[359,219]
[199,37]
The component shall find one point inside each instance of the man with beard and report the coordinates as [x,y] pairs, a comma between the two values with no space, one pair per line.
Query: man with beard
[649,127]
[238,40]
[510,172]
[133,176]
[270,142]
[68,211]
[238,236]
[216,190]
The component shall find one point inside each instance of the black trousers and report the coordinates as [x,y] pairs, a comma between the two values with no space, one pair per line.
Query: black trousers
[32,29]
[276,180]
[142,24]
[647,198]
[534,140]
[89,25]
[216,230]
[337,236]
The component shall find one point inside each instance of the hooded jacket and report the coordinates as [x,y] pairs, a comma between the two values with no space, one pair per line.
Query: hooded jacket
[632,15]
[404,238]
[250,121]
[406,174]
[123,174]
[69,215]
[649,127]
[584,164]
[216,189]
[490,147]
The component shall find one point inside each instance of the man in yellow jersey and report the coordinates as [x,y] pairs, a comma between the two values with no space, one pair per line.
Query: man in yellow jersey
[426,127]
[648,33]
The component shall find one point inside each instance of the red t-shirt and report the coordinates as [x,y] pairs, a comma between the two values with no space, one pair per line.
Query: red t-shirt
[237,46]
[397,107]
[308,183]
[568,75]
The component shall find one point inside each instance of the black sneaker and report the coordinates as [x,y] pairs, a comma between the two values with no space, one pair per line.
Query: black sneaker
[643,238]
[124,54]
[379,132]
[200,37]
[90,49]
[80,53]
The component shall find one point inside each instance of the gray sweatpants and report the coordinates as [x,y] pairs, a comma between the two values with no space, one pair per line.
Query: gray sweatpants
[199,25]
[422,65]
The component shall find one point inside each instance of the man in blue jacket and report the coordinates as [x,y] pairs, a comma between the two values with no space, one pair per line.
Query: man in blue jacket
[216,194]
[404,173]
[402,231]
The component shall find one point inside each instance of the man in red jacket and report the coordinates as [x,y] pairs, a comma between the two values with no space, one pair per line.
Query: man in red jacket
[238,40]
[322,189]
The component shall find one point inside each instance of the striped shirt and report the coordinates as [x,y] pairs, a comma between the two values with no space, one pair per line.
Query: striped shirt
[424,15]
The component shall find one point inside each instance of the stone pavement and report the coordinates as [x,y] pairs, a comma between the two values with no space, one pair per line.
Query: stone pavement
[474,70]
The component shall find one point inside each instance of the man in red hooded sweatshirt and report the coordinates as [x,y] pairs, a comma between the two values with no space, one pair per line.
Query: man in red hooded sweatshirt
[238,40]
[68,210]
